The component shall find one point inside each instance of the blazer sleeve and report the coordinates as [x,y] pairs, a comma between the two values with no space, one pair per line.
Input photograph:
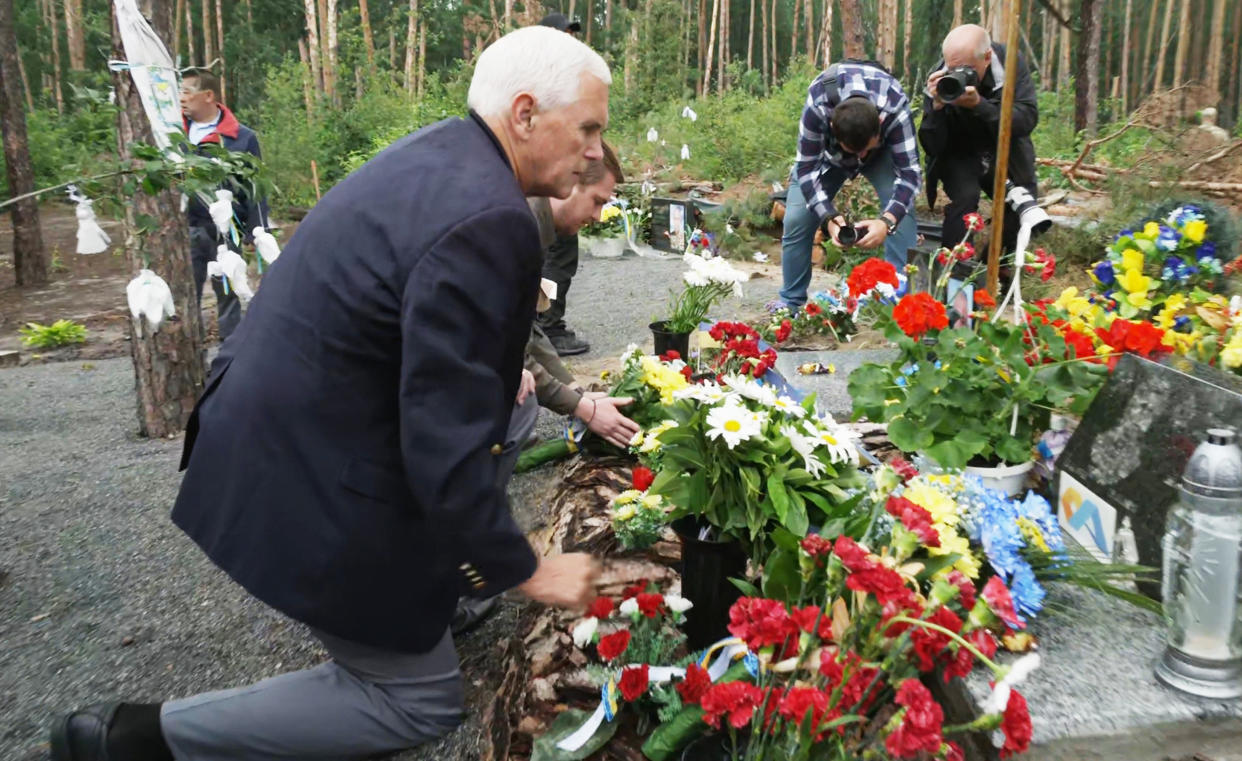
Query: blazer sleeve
[458,307]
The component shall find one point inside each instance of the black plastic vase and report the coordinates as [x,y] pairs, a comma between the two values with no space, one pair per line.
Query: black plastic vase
[666,340]
[706,567]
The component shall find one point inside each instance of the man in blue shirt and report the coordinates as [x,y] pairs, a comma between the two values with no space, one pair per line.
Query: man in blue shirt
[856,120]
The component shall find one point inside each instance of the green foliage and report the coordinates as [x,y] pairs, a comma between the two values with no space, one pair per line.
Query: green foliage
[59,333]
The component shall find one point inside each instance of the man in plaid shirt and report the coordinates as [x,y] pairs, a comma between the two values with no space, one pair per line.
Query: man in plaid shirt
[856,119]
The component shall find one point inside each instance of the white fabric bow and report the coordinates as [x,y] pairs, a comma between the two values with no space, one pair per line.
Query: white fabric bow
[685,151]
[688,113]
[265,243]
[221,211]
[91,237]
[652,135]
[148,295]
[230,265]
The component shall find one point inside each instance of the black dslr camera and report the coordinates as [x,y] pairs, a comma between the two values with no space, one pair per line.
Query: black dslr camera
[848,233]
[951,86]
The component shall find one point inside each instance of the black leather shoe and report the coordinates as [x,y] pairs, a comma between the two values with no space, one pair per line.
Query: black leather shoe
[471,611]
[569,345]
[83,734]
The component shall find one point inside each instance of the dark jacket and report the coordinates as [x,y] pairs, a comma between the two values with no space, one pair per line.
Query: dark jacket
[249,212]
[964,134]
[341,464]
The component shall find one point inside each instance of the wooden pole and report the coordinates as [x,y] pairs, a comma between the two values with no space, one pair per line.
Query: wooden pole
[1002,150]
[315,178]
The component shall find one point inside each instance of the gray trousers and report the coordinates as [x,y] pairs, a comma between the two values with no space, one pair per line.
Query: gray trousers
[228,306]
[363,701]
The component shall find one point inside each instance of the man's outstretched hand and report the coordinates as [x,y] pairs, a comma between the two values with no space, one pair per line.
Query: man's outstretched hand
[566,581]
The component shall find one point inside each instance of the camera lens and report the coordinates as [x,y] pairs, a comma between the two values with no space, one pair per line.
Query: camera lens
[949,88]
[848,235]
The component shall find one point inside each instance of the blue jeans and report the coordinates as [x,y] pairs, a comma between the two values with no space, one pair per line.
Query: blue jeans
[801,223]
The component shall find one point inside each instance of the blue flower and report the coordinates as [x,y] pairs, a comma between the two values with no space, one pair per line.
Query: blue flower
[1205,251]
[901,381]
[1123,234]
[1176,269]
[1037,509]
[910,369]
[937,365]
[1183,214]
[1181,324]
[1104,273]
[1211,264]
[1168,239]
[1028,595]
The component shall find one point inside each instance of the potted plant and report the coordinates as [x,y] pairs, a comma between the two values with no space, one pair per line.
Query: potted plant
[704,283]
[971,396]
[615,233]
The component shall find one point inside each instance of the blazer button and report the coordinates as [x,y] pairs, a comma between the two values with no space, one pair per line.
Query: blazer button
[497,449]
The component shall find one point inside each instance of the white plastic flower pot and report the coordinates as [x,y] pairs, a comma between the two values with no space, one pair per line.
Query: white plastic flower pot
[605,248]
[1010,479]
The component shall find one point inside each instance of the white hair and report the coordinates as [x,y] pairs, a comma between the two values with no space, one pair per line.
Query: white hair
[539,60]
[979,37]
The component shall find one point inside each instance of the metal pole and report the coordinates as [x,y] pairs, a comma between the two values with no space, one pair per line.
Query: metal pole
[1002,147]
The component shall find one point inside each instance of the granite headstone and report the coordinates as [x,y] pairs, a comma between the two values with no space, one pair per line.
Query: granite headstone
[1126,458]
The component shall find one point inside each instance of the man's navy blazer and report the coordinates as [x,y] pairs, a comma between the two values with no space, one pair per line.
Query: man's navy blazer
[341,464]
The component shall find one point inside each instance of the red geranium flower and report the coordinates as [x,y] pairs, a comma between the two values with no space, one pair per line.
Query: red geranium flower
[782,333]
[997,596]
[613,645]
[602,607]
[868,274]
[1016,724]
[650,605]
[931,645]
[984,299]
[974,221]
[760,622]
[965,588]
[737,699]
[915,519]
[920,724]
[634,591]
[696,682]
[642,478]
[1078,345]
[917,313]
[813,309]
[634,681]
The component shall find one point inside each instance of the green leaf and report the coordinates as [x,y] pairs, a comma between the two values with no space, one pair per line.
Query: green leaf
[748,589]
[781,576]
[908,436]
[935,564]
[668,739]
[779,498]
[567,723]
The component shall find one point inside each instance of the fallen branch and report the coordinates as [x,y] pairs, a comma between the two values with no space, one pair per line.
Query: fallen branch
[1092,144]
[1223,152]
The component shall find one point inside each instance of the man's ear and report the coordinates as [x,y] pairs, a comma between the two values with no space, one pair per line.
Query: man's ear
[522,111]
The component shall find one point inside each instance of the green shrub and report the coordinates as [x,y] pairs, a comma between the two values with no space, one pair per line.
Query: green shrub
[59,333]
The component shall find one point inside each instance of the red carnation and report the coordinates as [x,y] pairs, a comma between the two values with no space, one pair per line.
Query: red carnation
[983,641]
[974,221]
[1016,724]
[800,702]
[695,683]
[686,372]
[670,355]
[997,596]
[942,256]
[964,251]
[805,618]
[915,519]
[643,478]
[815,545]
[852,555]
[602,607]
[965,588]
[868,274]
[782,333]
[852,676]
[813,309]
[904,468]
[760,622]
[634,591]
[984,299]
[931,645]
[634,680]
[917,313]
[920,724]
[737,699]
[613,645]
[907,608]
[964,660]
[650,605]
[955,752]
[885,583]
[1045,262]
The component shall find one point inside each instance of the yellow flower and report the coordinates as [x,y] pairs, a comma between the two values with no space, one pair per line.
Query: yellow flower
[1134,281]
[1231,357]
[627,497]
[941,506]
[1072,303]
[1132,259]
[1032,533]
[652,501]
[1195,230]
[951,543]
[625,512]
[1151,231]
[609,212]
[662,378]
[1182,343]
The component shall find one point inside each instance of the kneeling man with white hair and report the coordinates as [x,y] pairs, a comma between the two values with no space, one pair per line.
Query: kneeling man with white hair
[342,463]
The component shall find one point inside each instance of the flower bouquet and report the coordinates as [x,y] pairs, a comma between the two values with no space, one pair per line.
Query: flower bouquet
[706,282]
[739,353]
[639,518]
[970,395]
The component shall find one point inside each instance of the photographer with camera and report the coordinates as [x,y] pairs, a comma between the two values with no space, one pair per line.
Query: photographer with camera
[959,131]
[857,120]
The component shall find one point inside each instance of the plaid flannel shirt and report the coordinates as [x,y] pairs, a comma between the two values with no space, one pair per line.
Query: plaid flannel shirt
[818,149]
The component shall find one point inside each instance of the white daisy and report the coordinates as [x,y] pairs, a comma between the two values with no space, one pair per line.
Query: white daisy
[584,632]
[751,390]
[788,407]
[804,446]
[695,278]
[629,607]
[732,422]
[839,447]
[677,603]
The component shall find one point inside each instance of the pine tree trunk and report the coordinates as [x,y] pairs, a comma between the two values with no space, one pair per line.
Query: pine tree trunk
[208,49]
[711,47]
[701,50]
[54,25]
[589,21]
[1087,75]
[411,46]
[793,30]
[21,68]
[189,33]
[957,13]
[312,42]
[775,68]
[1063,71]
[330,54]
[29,259]
[367,40]
[852,28]
[1183,44]
[422,57]
[826,45]
[750,39]
[1146,64]
[608,20]
[1216,46]
[726,25]
[224,97]
[508,15]
[909,70]
[1197,55]
[766,62]
[169,364]
[1165,39]
[1047,44]
[308,87]
[74,34]
[808,18]
[1125,58]
[1107,43]
[572,7]
[178,19]
[1235,83]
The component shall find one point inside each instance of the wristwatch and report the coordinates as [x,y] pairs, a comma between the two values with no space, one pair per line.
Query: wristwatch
[891,225]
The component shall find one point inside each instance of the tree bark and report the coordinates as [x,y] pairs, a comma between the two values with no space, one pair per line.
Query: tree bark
[1197,55]
[208,48]
[367,39]
[21,69]
[330,54]
[1216,46]
[1165,39]
[29,259]
[766,62]
[852,29]
[1107,43]
[775,68]
[422,56]
[411,47]
[793,30]
[74,34]
[588,22]
[308,87]
[1087,76]
[701,49]
[809,21]
[1235,86]
[1183,44]
[957,13]
[750,39]
[169,364]
[1063,71]
[224,97]
[826,45]
[711,47]
[312,42]
[722,61]
[909,70]
[1146,62]
[508,15]
[178,18]
[1047,44]
[54,25]
[189,33]
[1125,58]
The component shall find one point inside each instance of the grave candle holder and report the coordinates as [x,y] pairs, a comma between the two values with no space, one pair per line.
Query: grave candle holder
[1203,574]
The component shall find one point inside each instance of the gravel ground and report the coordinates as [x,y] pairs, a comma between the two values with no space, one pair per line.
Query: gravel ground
[102,598]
